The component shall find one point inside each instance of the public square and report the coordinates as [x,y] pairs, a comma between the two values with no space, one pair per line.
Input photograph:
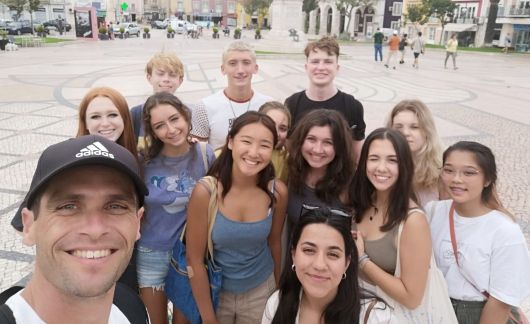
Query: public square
[487,100]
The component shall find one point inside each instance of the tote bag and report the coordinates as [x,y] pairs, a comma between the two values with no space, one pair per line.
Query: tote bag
[435,307]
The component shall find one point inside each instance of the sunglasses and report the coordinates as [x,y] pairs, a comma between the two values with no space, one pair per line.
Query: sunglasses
[333,211]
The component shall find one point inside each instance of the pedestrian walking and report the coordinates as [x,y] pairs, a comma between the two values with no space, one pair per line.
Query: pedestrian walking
[450,50]
[418,47]
[402,46]
[378,44]
[393,46]
[507,43]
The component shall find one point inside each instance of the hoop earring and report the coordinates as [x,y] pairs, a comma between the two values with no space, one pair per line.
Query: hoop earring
[293,268]
[344,276]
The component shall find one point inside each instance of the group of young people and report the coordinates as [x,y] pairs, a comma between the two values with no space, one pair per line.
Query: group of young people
[308,208]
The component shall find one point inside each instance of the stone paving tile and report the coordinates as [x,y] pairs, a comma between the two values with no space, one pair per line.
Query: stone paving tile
[27,143]
[489,105]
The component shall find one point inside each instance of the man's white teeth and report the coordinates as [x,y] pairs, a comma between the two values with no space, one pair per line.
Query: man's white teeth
[89,254]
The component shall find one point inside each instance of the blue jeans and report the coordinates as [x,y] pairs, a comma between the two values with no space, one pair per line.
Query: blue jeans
[378,49]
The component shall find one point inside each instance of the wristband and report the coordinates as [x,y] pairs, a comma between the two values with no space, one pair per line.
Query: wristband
[363,259]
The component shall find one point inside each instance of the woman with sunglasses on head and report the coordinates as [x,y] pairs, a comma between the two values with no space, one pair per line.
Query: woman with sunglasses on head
[319,282]
[383,198]
[320,163]
[414,120]
[246,234]
[490,273]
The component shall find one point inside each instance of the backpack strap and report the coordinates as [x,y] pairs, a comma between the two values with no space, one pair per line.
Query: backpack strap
[130,304]
[136,115]
[6,294]
[204,156]
[6,315]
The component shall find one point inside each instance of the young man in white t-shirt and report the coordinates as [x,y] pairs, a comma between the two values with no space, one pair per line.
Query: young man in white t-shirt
[213,119]
[83,217]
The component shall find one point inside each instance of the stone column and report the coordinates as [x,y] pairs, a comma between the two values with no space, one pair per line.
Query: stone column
[322,29]
[335,21]
[312,22]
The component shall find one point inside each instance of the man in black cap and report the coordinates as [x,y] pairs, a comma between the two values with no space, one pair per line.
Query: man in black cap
[83,216]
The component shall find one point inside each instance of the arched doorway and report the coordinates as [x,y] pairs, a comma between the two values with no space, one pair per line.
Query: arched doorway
[342,20]
[329,20]
[317,25]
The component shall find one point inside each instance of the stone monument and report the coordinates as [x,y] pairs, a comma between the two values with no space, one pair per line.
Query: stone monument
[287,31]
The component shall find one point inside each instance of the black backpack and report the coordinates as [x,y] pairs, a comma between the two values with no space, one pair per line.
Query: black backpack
[127,301]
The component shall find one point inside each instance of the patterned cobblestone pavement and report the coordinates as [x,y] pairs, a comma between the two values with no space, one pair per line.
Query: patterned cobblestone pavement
[486,100]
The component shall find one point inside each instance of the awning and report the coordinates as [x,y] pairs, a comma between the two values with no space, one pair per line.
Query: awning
[460,27]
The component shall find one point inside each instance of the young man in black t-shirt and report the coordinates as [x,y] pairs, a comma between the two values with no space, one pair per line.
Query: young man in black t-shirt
[322,66]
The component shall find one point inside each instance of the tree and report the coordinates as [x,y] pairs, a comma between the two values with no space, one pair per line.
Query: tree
[309,5]
[490,26]
[33,5]
[416,14]
[443,9]
[252,6]
[15,5]
[349,5]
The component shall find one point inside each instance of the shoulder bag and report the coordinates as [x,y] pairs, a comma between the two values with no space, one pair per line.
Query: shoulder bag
[178,287]
[435,307]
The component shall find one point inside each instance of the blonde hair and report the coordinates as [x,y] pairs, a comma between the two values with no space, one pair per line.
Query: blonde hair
[428,160]
[239,46]
[276,105]
[168,61]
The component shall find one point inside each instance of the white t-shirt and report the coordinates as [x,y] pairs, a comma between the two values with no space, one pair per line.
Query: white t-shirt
[23,312]
[492,252]
[272,306]
[214,117]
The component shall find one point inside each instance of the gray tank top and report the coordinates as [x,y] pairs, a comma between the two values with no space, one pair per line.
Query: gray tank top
[383,251]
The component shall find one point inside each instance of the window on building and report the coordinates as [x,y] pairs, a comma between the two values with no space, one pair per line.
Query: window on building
[219,8]
[205,7]
[394,25]
[196,5]
[397,8]
[432,33]
[231,7]
[180,6]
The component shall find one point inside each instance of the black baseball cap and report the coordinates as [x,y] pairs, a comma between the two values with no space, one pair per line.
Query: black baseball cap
[80,151]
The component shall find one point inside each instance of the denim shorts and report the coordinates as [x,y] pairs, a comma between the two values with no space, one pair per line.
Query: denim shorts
[152,267]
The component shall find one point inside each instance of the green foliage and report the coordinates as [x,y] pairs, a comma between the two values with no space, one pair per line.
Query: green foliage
[309,5]
[122,30]
[15,5]
[39,29]
[251,6]
[33,5]
[103,30]
[170,30]
[146,30]
[3,34]
[258,31]
[417,13]
[442,9]
[237,31]
[215,30]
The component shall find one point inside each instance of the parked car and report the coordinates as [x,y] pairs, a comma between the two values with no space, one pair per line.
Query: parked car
[19,27]
[54,25]
[4,23]
[130,29]
[160,24]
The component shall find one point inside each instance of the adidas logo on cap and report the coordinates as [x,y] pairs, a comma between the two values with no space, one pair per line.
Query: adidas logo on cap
[95,148]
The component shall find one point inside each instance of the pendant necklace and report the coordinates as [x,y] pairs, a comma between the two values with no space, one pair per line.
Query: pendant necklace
[375,213]
[232,107]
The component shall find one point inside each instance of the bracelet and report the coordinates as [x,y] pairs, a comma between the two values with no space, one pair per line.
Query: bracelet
[363,259]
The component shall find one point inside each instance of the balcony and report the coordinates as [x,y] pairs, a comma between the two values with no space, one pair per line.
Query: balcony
[519,12]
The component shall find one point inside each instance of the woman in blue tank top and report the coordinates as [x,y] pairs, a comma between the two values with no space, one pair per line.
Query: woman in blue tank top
[247,231]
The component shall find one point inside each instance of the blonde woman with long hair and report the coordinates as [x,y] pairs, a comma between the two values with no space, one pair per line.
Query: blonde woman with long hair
[414,120]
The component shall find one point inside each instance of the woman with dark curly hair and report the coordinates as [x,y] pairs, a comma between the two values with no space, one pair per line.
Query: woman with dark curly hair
[320,163]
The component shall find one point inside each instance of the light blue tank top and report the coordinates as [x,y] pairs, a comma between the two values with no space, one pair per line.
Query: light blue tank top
[242,251]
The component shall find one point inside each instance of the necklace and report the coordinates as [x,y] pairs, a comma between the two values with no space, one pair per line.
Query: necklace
[374,214]
[232,107]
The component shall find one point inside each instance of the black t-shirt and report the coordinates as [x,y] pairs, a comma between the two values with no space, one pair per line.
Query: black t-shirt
[299,104]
